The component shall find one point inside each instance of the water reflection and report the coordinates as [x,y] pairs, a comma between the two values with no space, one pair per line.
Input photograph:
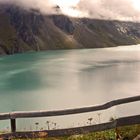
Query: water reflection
[111,82]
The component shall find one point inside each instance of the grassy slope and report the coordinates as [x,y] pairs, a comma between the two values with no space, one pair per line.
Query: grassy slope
[101,33]
[7,34]
[52,37]
[19,35]
[110,33]
[22,31]
[9,41]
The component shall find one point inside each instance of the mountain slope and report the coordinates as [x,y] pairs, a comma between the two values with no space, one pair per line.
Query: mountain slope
[28,30]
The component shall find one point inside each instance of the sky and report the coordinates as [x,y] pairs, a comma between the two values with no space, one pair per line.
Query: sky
[66,2]
[107,9]
[100,9]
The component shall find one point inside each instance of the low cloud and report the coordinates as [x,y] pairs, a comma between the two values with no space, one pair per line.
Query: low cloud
[45,6]
[109,9]
[99,9]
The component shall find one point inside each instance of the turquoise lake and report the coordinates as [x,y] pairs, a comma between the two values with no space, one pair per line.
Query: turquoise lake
[54,80]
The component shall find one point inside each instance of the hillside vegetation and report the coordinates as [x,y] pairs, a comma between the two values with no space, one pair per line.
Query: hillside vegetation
[22,31]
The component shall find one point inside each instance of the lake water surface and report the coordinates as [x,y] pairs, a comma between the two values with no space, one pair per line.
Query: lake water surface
[65,79]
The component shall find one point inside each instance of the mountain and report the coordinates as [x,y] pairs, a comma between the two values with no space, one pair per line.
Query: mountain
[24,30]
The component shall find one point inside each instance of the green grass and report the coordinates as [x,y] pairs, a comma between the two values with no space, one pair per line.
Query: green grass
[129,131]
[125,133]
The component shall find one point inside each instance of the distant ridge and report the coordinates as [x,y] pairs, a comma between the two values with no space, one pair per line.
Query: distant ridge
[28,30]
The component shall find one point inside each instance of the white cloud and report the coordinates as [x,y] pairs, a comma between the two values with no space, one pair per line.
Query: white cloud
[110,9]
[100,9]
[44,5]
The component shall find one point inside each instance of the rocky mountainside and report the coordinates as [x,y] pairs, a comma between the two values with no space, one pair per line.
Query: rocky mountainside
[28,30]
